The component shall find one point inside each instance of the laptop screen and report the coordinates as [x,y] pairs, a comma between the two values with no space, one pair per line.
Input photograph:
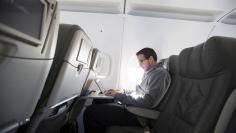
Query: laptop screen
[100,86]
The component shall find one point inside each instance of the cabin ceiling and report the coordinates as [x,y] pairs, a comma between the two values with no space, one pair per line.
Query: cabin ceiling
[93,6]
[200,10]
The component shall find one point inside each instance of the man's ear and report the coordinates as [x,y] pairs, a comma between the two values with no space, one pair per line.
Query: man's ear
[151,58]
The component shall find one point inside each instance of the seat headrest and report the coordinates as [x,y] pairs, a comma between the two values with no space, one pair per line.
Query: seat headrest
[164,63]
[173,64]
[208,58]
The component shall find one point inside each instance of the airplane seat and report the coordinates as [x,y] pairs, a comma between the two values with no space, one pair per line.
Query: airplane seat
[144,115]
[172,66]
[65,80]
[231,127]
[28,35]
[92,73]
[164,63]
[205,79]
[227,120]
[100,68]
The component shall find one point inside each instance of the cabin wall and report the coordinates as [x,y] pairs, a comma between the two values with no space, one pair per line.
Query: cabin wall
[222,29]
[166,36]
[121,36]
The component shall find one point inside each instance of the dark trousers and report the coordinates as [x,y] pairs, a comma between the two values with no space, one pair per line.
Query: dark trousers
[98,117]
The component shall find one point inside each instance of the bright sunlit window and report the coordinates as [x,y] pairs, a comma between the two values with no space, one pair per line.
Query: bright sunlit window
[134,71]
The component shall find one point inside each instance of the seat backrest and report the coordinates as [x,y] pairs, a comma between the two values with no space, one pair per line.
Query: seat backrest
[74,69]
[204,80]
[100,68]
[92,73]
[28,35]
[171,65]
[66,78]
[231,128]
[227,120]
[165,63]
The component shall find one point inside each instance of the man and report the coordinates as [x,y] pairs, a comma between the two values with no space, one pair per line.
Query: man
[149,93]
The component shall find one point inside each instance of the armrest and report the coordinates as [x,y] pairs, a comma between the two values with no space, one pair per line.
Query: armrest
[143,112]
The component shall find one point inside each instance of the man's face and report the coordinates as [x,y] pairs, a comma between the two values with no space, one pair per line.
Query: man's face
[143,62]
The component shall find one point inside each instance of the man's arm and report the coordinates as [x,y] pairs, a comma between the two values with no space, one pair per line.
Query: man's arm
[112,92]
[158,84]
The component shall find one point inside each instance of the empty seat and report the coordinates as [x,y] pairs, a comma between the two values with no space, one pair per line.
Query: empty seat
[65,81]
[28,35]
[205,79]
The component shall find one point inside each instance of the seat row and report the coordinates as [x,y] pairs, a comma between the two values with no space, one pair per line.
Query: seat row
[41,76]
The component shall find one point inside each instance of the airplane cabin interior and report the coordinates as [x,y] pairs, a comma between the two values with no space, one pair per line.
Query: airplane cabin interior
[58,57]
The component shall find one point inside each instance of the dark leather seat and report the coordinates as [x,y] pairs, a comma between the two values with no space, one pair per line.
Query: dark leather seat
[231,128]
[227,120]
[204,82]
[204,79]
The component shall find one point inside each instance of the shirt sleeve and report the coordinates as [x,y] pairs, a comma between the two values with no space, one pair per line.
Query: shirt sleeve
[158,83]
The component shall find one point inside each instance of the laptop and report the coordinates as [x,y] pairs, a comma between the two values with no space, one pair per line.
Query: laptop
[100,87]
[101,94]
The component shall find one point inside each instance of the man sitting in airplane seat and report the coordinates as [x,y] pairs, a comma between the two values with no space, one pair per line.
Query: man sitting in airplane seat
[154,85]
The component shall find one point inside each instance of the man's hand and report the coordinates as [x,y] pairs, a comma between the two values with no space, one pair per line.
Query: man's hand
[112,92]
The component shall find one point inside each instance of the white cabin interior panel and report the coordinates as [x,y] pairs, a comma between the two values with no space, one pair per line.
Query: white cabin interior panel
[122,27]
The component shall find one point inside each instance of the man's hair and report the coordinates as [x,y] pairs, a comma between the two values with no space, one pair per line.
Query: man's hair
[147,52]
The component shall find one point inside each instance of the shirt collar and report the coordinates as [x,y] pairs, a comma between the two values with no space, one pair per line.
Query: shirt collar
[153,67]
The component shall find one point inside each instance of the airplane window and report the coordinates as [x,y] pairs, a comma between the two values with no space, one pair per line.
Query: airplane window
[105,66]
[28,12]
[98,65]
[134,71]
